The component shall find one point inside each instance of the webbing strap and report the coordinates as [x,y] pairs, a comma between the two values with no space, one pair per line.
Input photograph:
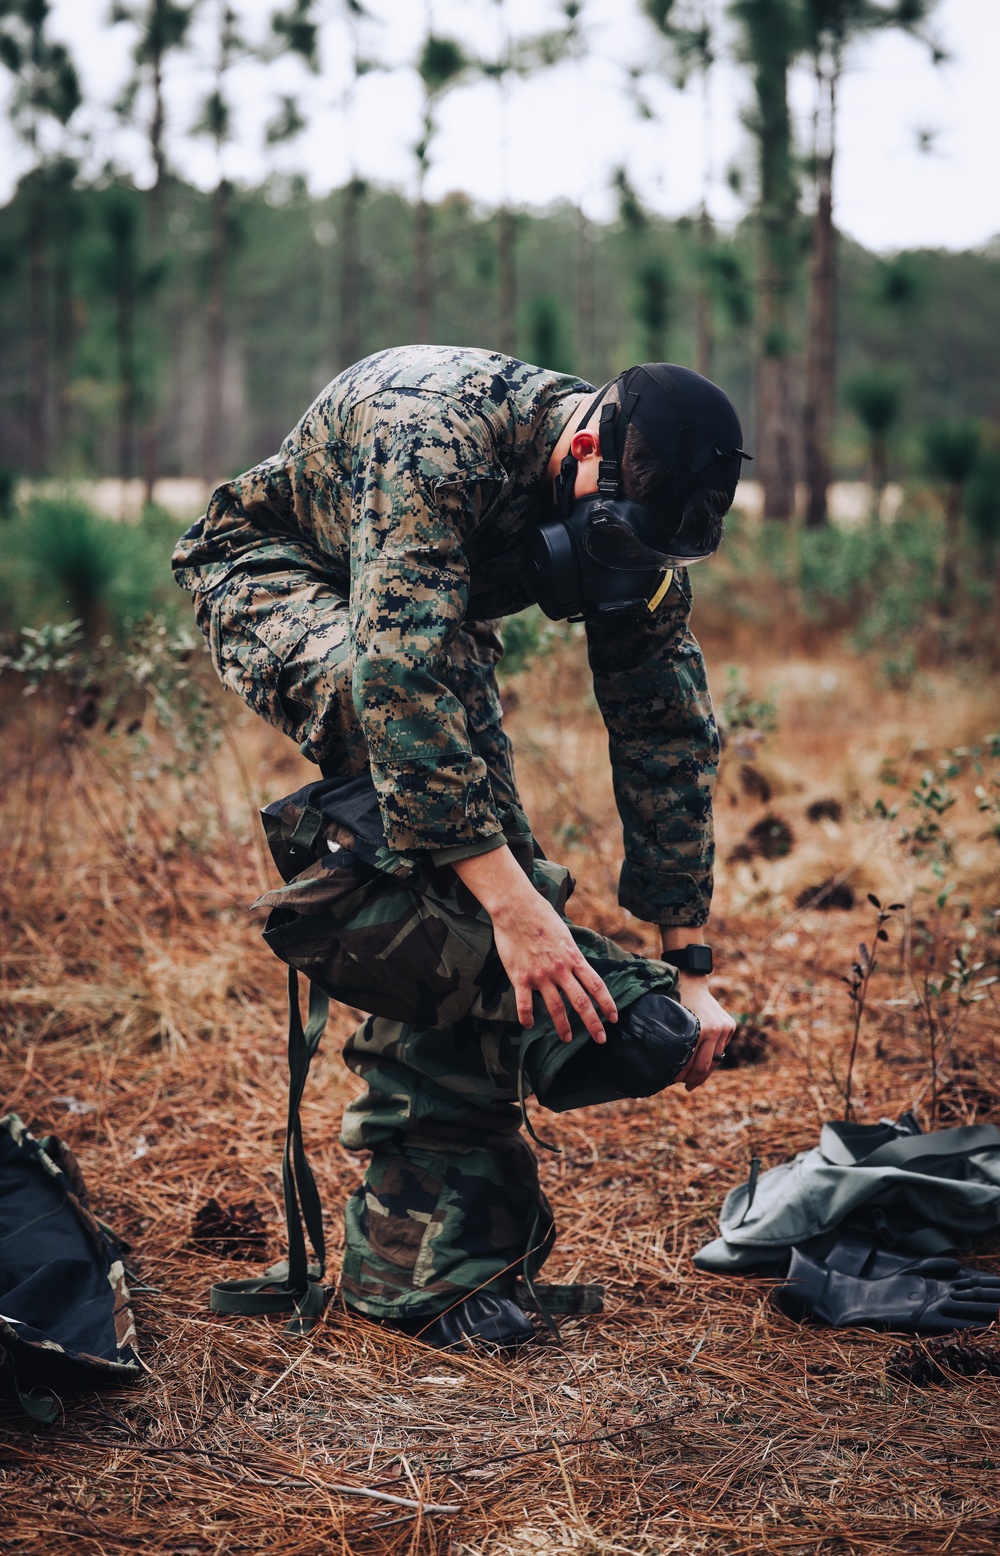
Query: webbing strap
[568,1301]
[522,1095]
[529,1268]
[293,1286]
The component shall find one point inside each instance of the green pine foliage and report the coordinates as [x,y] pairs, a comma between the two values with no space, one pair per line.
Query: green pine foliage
[941,342]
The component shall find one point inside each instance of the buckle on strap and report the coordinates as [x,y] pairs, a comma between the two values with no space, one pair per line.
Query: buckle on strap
[607,477]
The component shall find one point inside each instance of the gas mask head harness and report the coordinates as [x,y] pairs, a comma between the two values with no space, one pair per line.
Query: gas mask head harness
[607,553]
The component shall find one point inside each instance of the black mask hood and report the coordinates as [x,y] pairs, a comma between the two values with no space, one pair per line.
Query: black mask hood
[690,424]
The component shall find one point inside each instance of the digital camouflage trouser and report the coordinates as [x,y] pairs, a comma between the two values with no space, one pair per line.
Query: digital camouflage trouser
[451,1199]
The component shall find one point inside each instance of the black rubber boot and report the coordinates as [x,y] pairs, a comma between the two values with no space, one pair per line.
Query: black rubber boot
[483,1320]
[646,1050]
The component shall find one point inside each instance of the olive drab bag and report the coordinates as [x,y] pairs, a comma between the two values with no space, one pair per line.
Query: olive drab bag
[65,1320]
[384,931]
[396,936]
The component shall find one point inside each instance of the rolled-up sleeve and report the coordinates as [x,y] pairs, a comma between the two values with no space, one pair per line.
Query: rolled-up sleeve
[652,689]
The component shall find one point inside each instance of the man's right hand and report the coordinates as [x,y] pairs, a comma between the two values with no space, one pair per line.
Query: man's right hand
[535,946]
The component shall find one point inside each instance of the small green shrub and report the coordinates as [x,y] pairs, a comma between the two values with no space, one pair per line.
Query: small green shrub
[64,561]
[150,691]
[525,636]
[951,449]
[741,711]
[982,503]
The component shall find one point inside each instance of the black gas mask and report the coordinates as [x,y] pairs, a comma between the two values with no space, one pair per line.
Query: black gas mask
[607,553]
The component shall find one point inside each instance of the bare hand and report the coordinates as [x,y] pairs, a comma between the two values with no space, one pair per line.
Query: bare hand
[717,1027]
[536,948]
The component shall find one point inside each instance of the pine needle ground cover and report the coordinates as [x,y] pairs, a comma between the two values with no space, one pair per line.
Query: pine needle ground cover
[142,1021]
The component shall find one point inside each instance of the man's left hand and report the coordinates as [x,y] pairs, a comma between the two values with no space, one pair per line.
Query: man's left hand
[717,1027]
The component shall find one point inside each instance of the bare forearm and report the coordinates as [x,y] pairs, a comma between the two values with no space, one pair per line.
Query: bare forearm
[535,946]
[673,939]
[498,882]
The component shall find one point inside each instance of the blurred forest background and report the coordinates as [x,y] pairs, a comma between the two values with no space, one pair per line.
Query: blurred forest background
[171,331]
[174,332]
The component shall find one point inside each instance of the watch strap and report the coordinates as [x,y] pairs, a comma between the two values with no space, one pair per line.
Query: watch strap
[696,959]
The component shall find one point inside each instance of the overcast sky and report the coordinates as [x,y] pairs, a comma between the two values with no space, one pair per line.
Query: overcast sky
[565,130]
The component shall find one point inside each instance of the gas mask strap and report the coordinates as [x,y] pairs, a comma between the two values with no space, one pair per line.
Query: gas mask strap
[566,479]
[591,408]
[607,469]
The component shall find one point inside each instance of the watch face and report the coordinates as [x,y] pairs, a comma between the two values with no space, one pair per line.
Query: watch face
[699,958]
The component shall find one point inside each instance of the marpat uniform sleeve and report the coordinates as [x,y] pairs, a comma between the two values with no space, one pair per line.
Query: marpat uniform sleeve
[273,607]
[422,678]
[650,683]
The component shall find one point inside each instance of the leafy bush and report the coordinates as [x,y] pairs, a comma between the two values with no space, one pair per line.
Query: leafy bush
[879,584]
[525,636]
[741,711]
[875,398]
[64,561]
[982,503]
[151,689]
[950,448]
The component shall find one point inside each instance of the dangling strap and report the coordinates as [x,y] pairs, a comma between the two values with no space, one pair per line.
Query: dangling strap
[293,1285]
[522,1101]
[751,1187]
[529,1269]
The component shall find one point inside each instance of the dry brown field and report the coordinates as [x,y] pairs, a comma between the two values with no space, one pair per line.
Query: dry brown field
[142,1021]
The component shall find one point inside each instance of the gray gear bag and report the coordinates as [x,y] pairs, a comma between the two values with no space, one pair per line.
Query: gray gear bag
[923,1194]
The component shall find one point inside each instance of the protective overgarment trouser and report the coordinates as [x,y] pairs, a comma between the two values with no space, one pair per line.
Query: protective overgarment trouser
[451,1199]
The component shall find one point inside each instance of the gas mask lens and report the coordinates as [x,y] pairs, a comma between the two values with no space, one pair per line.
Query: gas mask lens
[613,543]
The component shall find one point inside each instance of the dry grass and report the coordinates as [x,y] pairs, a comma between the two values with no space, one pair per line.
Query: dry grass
[692,1416]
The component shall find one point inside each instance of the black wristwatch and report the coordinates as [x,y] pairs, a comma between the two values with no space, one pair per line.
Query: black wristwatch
[692,959]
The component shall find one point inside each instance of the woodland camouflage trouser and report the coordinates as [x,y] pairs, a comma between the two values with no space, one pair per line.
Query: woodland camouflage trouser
[451,1199]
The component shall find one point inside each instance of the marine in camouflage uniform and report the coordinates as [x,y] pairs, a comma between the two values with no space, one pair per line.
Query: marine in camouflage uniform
[351,590]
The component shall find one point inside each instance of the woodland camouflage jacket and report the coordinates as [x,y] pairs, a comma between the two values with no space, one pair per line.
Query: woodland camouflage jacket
[350,588]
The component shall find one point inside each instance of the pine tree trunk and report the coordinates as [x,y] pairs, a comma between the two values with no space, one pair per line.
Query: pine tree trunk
[349,345]
[878,474]
[771,38]
[128,389]
[215,337]
[584,364]
[422,288]
[952,540]
[507,272]
[151,431]
[64,340]
[704,337]
[821,342]
[776,458]
[38,328]
[776,421]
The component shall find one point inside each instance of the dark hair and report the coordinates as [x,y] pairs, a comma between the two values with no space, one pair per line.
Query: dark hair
[698,523]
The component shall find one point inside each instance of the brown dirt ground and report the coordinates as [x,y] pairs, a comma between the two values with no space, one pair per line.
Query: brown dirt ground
[691,1416]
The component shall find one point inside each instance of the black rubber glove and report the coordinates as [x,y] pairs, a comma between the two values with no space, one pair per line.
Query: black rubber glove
[921,1296]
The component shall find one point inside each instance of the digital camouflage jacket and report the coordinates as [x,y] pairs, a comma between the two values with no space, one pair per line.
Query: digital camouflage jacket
[351,589]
